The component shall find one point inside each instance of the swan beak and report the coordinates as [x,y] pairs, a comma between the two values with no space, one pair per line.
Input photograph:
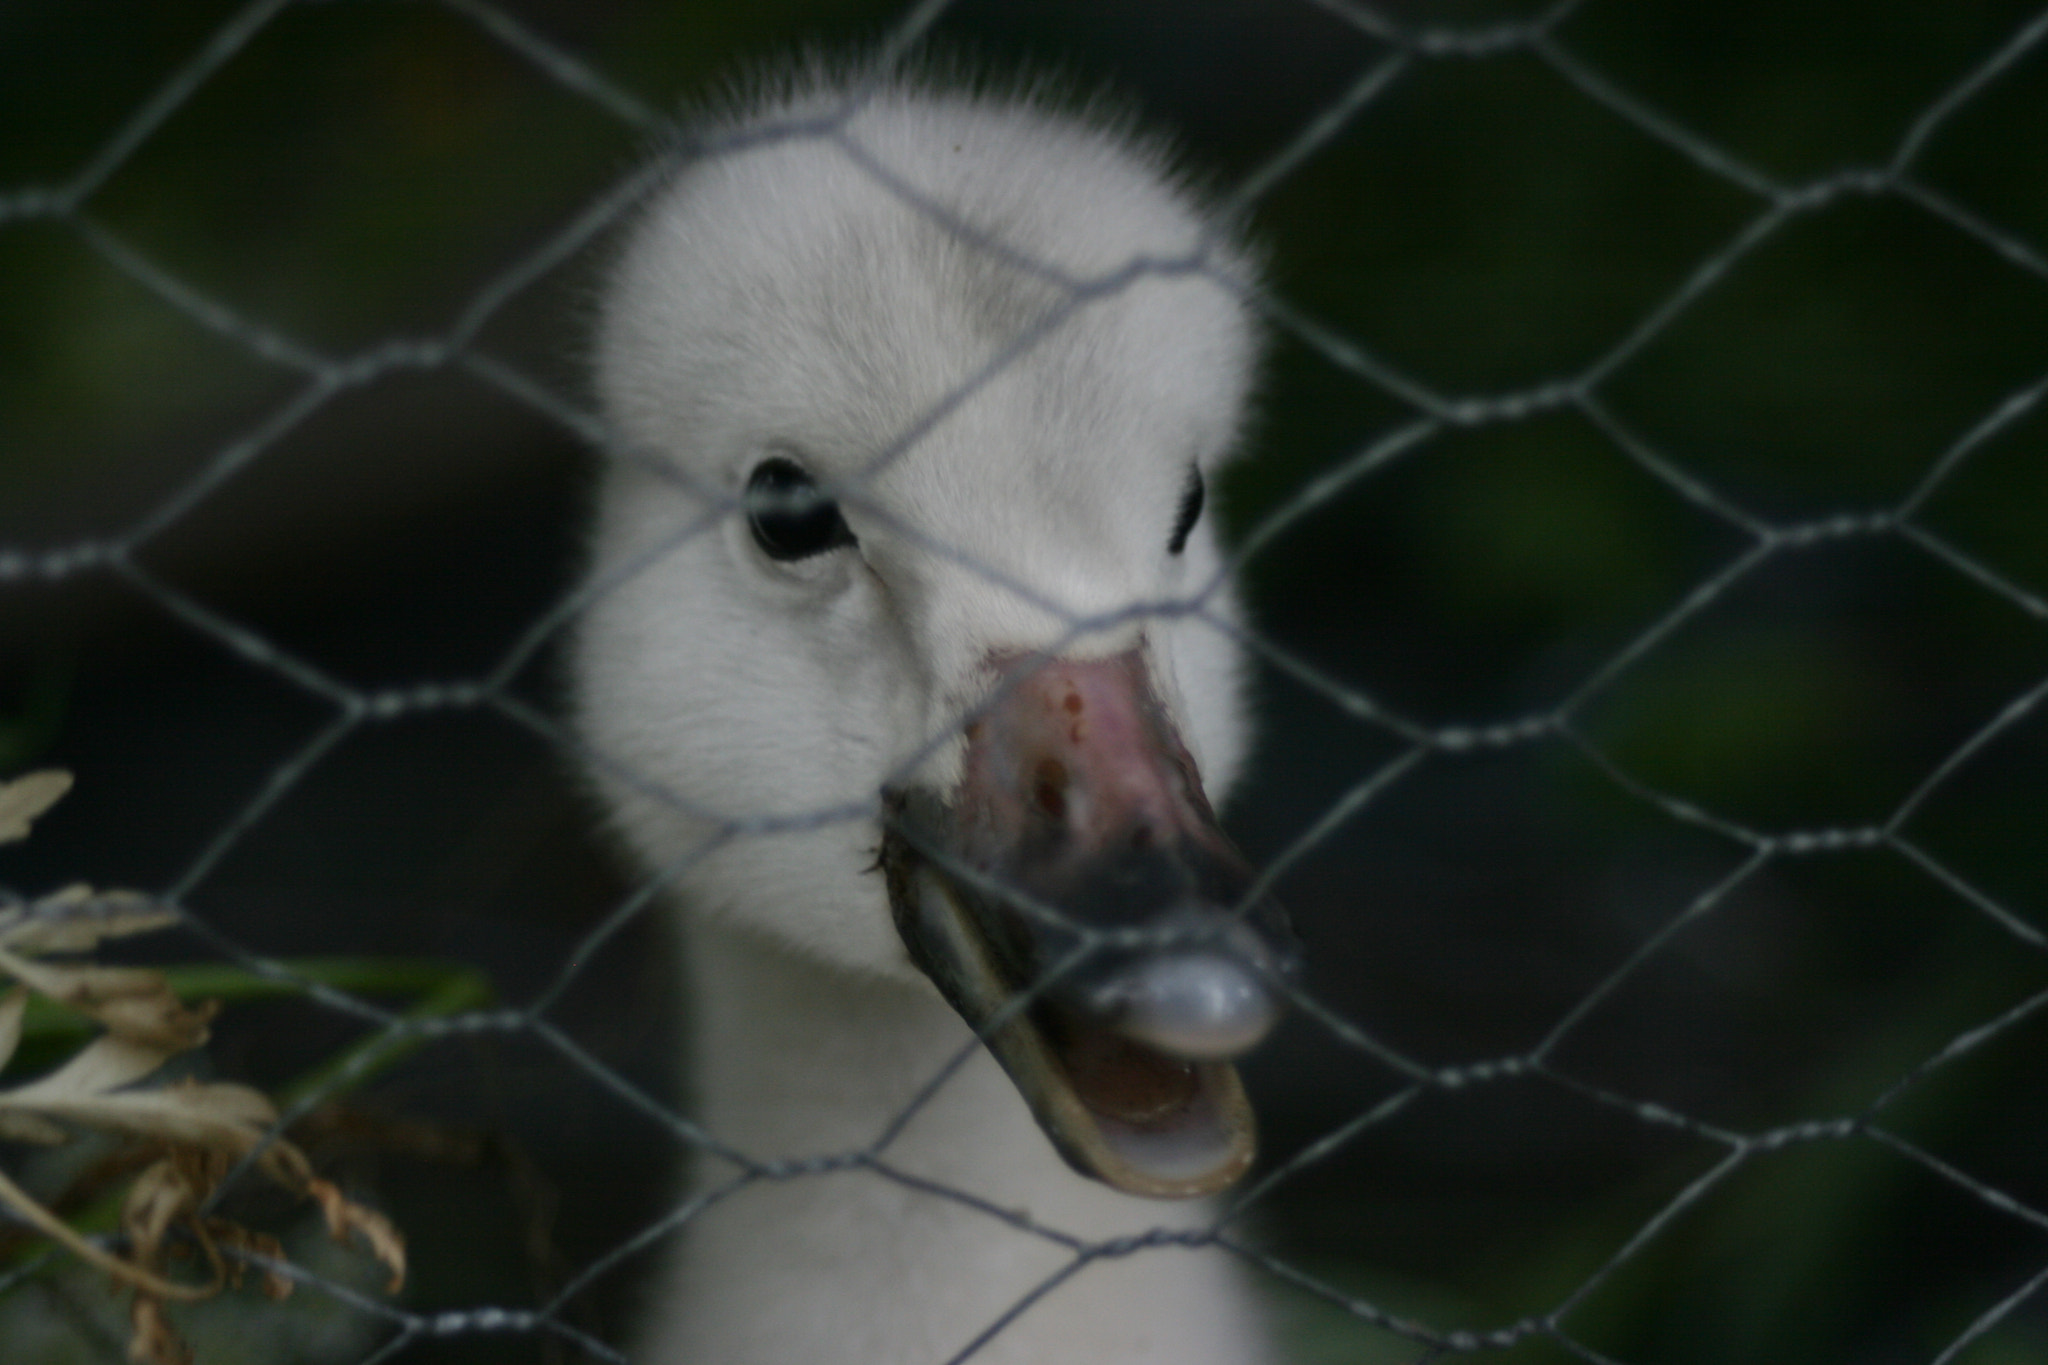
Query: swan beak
[1076,903]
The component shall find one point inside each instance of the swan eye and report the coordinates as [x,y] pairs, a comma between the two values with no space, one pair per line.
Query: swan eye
[1190,512]
[790,515]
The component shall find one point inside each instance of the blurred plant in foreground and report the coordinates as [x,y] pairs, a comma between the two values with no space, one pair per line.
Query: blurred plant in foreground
[182,1139]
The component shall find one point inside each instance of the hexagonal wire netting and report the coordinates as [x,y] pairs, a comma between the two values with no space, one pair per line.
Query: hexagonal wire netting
[1645,539]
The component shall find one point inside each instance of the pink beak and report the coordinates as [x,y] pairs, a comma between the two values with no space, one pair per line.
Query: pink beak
[1076,902]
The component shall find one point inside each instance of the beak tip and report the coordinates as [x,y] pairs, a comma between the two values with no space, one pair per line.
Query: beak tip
[1199,1007]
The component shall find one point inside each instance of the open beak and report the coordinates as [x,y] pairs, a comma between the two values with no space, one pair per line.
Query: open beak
[1075,901]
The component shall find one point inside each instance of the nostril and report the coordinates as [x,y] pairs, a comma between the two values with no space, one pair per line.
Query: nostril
[1049,788]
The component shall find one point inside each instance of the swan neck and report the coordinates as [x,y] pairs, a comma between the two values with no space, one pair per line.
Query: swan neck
[866,1264]
[796,1058]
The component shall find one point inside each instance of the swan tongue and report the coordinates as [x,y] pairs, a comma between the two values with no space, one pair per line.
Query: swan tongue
[1119,1080]
[1076,903]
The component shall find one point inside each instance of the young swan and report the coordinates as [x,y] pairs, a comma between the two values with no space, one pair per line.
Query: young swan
[913,416]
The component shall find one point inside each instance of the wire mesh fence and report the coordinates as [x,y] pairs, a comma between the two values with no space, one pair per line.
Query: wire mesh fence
[1643,535]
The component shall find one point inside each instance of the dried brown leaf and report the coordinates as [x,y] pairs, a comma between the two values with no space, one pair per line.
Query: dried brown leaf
[385,1241]
[220,1116]
[13,1006]
[199,1130]
[28,1128]
[160,1197]
[151,1338]
[168,1194]
[135,1003]
[156,1018]
[276,1287]
[27,797]
[25,1208]
[76,918]
[106,1063]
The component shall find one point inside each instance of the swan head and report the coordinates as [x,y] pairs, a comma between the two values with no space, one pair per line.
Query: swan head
[908,648]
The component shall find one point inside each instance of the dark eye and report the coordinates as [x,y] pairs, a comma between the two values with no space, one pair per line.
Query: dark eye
[1190,512]
[790,515]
